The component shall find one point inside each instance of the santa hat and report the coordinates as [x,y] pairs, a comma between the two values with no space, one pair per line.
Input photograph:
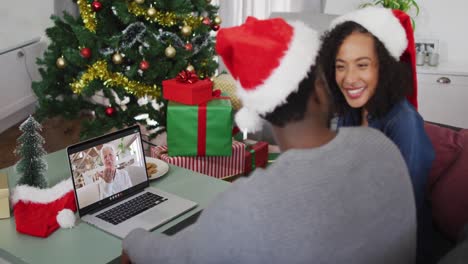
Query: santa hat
[268,58]
[394,29]
[39,212]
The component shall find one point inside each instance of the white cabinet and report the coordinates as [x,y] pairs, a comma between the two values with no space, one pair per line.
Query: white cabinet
[17,70]
[443,95]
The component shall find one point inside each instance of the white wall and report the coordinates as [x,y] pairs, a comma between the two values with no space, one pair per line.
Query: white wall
[447,22]
[234,12]
[23,20]
[444,21]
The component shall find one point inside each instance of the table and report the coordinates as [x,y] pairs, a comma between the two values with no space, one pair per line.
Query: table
[85,243]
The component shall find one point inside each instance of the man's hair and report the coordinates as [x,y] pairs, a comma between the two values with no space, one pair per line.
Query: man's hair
[295,104]
[395,77]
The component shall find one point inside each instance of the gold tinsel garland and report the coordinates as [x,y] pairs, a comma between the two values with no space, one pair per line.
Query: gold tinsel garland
[166,19]
[88,15]
[111,79]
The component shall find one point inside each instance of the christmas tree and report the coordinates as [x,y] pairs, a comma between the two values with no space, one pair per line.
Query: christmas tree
[32,164]
[111,60]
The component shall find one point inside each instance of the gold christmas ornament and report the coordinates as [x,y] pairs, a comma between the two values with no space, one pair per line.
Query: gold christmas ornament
[190,68]
[186,30]
[99,71]
[151,12]
[117,58]
[217,20]
[61,63]
[226,83]
[139,1]
[88,15]
[170,52]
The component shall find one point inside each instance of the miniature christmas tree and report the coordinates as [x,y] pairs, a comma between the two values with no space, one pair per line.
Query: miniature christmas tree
[32,164]
[111,60]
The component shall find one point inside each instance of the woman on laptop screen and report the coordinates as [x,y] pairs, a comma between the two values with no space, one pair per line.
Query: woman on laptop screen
[113,179]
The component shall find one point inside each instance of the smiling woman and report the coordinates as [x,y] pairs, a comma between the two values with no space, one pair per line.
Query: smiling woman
[368,57]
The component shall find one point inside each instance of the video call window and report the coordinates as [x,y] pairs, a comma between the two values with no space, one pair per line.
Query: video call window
[108,169]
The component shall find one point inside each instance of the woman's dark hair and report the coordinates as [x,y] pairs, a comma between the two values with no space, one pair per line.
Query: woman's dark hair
[296,103]
[395,78]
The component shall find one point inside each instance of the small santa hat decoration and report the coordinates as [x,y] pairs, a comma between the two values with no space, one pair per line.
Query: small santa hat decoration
[394,29]
[39,212]
[268,58]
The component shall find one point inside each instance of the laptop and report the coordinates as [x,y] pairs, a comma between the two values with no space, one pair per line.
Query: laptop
[112,187]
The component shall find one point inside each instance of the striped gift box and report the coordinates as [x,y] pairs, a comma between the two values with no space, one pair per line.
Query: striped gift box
[220,167]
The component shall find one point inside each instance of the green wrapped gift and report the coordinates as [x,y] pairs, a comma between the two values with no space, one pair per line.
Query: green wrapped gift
[200,130]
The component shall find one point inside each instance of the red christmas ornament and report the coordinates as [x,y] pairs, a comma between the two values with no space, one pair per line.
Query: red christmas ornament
[144,65]
[85,53]
[188,46]
[215,27]
[97,6]
[110,111]
[206,21]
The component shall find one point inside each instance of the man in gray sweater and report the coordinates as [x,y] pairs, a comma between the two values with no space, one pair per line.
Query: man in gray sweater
[330,197]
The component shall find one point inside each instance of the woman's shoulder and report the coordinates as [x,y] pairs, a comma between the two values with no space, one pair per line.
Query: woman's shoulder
[403,114]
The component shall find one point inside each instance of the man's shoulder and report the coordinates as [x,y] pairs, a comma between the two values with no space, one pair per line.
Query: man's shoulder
[364,135]
[370,143]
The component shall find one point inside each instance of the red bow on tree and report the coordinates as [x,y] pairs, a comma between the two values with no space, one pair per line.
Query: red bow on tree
[187,77]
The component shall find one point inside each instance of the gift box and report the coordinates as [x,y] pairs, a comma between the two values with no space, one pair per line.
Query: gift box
[256,155]
[187,89]
[218,167]
[244,159]
[200,130]
[4,197]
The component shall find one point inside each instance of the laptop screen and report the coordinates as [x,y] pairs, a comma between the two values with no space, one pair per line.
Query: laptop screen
[107,169]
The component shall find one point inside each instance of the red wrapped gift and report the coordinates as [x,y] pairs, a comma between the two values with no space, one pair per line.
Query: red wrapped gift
[256,155]
[216,166]
[186,88]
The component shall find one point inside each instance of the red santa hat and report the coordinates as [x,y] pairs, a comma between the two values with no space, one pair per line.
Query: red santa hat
[268,58]
[394,29]
[39,212]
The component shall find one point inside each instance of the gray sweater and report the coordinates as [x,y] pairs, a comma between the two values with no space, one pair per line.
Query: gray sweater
[349,201]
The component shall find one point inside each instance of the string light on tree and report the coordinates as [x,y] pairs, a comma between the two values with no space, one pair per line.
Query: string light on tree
[144,65]
[110,111]
[85,53]
[97,6]
[186,30]
[139,1]
[170,52]
[117,58]
[61,63]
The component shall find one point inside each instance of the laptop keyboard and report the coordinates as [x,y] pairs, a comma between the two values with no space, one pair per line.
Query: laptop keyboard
[131,208]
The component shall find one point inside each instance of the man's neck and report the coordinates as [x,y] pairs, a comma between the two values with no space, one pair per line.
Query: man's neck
[303,135]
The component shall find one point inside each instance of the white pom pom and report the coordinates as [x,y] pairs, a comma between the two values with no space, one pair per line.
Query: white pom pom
[249,120]
[66,218]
